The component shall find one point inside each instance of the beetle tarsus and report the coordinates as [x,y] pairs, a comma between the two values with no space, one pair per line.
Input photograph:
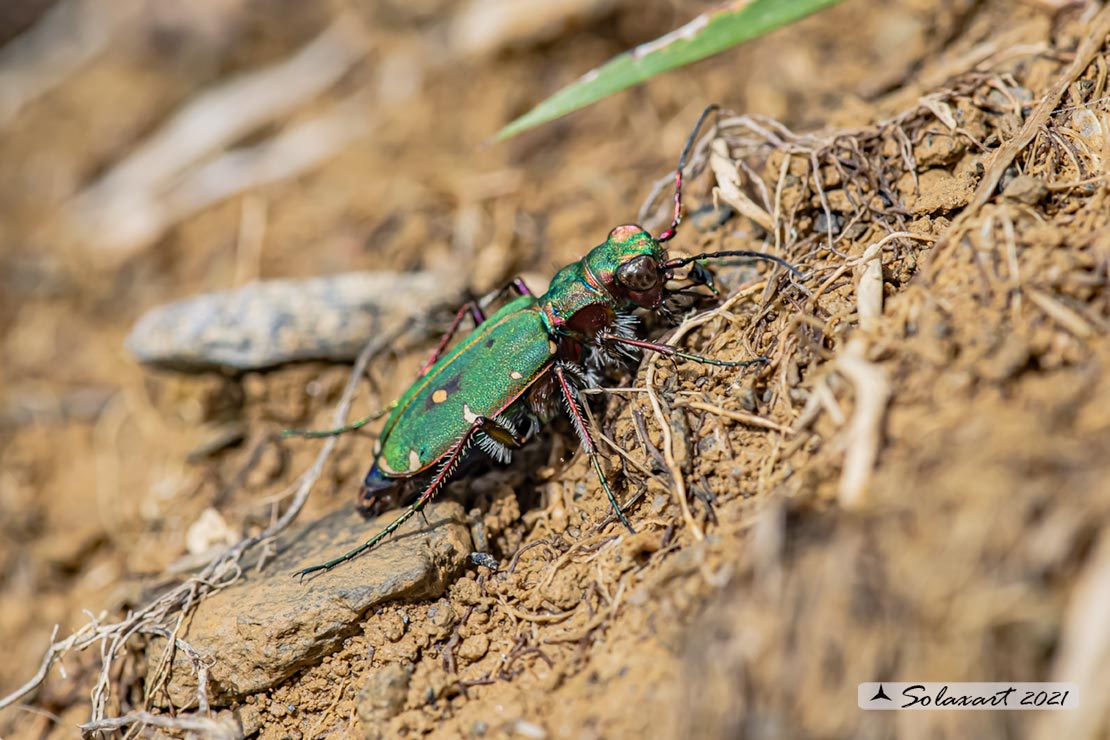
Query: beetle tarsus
[354,425]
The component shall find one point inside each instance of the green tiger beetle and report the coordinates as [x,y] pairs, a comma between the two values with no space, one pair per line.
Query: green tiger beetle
[510,375]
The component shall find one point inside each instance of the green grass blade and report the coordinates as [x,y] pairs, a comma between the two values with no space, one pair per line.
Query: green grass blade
[708,34]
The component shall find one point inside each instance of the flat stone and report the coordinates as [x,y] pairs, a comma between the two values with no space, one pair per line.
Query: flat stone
[269,625]
[271,322]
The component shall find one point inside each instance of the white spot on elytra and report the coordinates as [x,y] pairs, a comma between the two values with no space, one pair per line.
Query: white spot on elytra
[469,415]
[515,375]
[414,460]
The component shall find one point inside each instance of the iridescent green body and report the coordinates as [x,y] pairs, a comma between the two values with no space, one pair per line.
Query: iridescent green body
[523,363]
[587,285]
[483,375]
[508,354]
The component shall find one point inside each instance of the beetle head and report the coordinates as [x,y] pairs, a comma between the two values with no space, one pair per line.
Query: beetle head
[630,265]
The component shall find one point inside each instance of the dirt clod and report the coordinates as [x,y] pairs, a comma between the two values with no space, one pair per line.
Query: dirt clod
[1026,189]
[382,697]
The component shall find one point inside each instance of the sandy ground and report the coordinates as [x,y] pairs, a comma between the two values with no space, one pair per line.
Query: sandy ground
[921,495]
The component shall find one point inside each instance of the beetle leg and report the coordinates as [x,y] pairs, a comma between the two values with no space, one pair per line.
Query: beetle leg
[670,351]
[477,314]
[673,229]
[519,286]
[577,416]
[343,429]
[498,437]
[450,462]
[516,285]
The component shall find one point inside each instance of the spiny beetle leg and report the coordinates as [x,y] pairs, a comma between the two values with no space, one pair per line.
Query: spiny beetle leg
[666,349]
[470,307]
[578,417]
[477,314]
[439,480]
[673,229]
[340,430]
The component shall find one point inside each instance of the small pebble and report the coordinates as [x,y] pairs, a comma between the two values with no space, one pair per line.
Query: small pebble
[485,560]
[524,728]
[393,627]
[383,695]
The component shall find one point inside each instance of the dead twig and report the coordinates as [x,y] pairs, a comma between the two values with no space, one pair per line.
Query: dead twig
[871,253]
[728,186]
[668,454]
[615,447]
[865,429]
[657,408]
[538,618]
[55,651]
[869,294]
[740,416]
[1084,648]
[1061,314]
[524,548]
[214,728]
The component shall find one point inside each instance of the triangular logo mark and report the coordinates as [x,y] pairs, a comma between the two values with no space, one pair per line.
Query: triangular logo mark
[880,694]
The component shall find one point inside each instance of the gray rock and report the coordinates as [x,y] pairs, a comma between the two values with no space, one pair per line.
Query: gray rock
[271,322]
[268,625]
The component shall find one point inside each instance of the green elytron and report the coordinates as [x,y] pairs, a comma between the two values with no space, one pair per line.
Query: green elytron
[477,378]
[520,365]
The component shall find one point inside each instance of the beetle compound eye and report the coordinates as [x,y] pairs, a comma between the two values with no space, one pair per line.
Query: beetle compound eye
[639,274]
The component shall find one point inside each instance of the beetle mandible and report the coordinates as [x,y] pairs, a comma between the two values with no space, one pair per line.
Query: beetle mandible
[513,372]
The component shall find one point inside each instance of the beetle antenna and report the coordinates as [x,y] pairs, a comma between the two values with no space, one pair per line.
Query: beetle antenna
[673,229]
[683,261]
